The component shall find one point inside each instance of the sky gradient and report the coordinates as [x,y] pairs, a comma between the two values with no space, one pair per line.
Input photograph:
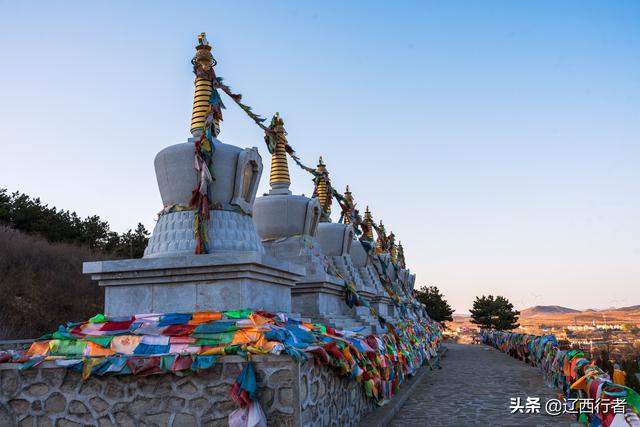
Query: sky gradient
[499,141]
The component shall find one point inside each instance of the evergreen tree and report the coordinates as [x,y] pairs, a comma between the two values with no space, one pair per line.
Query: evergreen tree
[437,307]
[133,243]
[29,215]
[111,243]
[494,313]
[94,232]
[5,206]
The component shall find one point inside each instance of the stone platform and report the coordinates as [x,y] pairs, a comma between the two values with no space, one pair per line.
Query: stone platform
[216,282]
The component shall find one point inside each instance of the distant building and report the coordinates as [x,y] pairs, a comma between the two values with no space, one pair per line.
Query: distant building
[595,326]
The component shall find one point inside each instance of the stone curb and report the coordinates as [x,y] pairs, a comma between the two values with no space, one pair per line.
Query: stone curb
[382,416]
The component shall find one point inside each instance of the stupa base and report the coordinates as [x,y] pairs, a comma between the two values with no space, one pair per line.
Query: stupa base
[322,299]
[215,282]
[173,234]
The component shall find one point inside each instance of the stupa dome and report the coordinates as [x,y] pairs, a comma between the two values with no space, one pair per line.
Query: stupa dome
[237,175]
[335,239]
[278,216]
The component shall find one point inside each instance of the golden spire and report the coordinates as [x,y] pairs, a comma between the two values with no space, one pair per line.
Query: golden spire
[393,250]
[348,200]
[368,220]
[381,243]
[279,177]
[203,63]
[322,191]
[401,259]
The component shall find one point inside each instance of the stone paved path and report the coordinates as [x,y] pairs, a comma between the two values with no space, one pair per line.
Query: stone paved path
[473,388]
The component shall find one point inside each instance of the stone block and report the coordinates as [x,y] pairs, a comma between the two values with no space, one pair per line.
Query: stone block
[38,389]
[221,422]
[187,388]
[174,298]
[141,405]
[44,422]
[319,297]
[285,397]
[185,420]
[36,406]
[55,403]
[98,404]
[113,391]
[199,405]
[53,377]
[19,406]
[9,382]
[176,403]
[6,417]
[195,283]
[129,299]
[27,422]
[79,409]
[158,420]
[91,386]
[124,419]
[105,422]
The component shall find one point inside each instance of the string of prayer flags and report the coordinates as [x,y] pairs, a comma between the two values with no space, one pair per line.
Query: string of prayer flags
[573,374]
[152,344]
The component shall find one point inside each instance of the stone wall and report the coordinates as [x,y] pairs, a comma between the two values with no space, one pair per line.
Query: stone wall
[291,394]
[329,400]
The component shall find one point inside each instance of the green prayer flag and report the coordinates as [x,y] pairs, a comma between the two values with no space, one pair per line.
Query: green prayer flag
[238,314]
[101,341]
[216,339]
[166,362]
[98,318]
[66,347]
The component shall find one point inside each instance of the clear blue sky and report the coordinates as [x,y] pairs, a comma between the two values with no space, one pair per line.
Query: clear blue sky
[498,140]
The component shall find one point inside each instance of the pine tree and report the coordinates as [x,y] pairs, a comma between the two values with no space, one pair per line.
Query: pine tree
[494,313]
[437,307]
[29,215]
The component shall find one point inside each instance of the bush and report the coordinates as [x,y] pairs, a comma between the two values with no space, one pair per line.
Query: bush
[42,285]
[41,254]
[30,215]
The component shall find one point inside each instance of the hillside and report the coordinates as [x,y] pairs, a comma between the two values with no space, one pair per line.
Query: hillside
[611,316]
[41,253]
[553,315]
[42,285]
[546,310]
[630,308]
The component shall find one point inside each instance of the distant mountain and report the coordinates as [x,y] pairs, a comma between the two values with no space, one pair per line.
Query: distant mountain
[558,316]
[630,308]
[546,310]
